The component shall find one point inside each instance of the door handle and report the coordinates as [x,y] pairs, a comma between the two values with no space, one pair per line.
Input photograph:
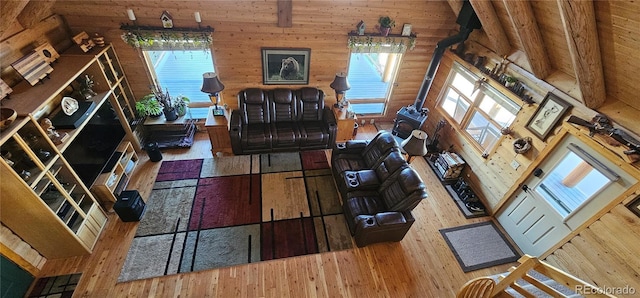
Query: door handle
[525,188]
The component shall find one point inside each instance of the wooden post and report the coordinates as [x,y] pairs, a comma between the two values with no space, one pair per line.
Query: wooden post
[285,8]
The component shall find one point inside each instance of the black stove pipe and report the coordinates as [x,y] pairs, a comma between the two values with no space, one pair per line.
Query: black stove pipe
[468,20]
[441,46]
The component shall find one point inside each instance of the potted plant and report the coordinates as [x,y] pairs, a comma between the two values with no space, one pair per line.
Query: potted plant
[180,104]
[148,106]
[510,81]
[170,112]
[385,25]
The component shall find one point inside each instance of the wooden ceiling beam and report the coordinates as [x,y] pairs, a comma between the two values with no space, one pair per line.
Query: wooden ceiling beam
[10,10]
[491,26]
[579,23]
[34,12]
[526,28]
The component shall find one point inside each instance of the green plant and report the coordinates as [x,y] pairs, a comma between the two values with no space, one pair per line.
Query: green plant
[180,103]
[148,105]
[386,22]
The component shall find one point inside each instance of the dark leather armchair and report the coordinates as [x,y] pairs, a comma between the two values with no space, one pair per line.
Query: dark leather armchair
[281,120]
[378,189]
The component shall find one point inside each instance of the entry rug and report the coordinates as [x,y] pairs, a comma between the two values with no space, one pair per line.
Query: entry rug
[479,245]
[226,211]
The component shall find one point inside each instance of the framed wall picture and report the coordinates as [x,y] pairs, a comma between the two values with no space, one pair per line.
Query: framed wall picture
[547,116]
[406,30]
[634,206]
[285,66]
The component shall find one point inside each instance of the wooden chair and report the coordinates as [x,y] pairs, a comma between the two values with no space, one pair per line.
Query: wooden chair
[481,287]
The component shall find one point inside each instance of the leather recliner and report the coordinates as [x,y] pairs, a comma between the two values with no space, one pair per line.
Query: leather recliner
[377,200]
[281,120]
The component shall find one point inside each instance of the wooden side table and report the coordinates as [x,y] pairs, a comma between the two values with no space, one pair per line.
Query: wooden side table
[218,129]
[346,125]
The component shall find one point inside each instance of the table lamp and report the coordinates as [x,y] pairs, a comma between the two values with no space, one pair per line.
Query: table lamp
[415,144]
[212,85]
[340,85]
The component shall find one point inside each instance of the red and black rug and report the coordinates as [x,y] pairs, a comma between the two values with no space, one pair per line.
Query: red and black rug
[225,211]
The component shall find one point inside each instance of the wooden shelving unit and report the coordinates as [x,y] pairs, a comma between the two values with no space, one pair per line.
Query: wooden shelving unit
[43,200]
[114,180]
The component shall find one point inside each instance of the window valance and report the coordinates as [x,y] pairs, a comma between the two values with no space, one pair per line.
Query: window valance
[381,44]
[158,38]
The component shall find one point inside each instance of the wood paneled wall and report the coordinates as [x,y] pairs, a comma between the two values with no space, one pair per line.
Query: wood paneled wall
[605,253]
[243,27]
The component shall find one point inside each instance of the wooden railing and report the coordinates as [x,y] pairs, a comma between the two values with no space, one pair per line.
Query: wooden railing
[536,284]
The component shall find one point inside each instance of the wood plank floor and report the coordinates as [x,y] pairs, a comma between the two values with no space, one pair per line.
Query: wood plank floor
[419,266]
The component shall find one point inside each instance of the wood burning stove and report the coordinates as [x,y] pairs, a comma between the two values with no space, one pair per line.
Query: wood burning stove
[408,119]
[414,116]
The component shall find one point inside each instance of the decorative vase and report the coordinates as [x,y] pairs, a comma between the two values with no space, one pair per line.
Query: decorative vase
[170,114]
[384,31]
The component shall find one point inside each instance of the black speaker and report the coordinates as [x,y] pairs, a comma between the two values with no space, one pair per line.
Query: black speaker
[130,206]
[467,17]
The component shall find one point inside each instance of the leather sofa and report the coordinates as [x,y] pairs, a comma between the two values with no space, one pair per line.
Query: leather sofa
[378,188]
[281,120]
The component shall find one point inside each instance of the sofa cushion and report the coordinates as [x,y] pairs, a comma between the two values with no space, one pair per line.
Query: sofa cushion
[311,104]
[254,106]
[402,191]
[256,136]
[314,133]
[283,106]
[285,134]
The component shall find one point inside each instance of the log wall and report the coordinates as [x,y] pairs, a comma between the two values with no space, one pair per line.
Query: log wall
[243,27]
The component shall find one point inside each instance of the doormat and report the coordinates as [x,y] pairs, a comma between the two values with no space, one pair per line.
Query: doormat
[479,245]
[225,211]
[55,286]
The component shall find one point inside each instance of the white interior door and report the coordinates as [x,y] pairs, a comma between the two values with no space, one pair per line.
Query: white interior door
[571,185]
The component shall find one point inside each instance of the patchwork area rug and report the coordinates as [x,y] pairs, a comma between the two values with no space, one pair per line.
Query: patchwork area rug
[225,211]
[479,245]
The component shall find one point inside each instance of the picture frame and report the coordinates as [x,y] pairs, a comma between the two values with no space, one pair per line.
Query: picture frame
[406,30]
[547,116]
[285,66]
[634,206]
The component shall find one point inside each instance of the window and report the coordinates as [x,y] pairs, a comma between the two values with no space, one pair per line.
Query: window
[478,109]
[574,180]
[180,72]
[371,76]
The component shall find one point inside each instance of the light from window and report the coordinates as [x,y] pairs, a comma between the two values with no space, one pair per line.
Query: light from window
[371,76]
[479,110]
[571,183]
[180,72]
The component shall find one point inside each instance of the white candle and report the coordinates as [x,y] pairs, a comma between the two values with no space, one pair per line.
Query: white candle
[131,15]
[197,15]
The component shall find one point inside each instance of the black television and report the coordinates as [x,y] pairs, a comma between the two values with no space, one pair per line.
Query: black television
[93,147]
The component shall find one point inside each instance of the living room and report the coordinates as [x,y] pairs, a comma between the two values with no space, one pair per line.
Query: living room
[421,264]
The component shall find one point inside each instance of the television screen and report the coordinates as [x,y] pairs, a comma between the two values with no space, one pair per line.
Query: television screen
[92,148]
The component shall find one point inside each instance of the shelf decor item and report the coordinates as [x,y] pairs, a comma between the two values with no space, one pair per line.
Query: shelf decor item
[33,68]
[285,66]
[385,25]
[47,52]
[167,20]
[7,116]
[406,30]
[83,40]
[5,90]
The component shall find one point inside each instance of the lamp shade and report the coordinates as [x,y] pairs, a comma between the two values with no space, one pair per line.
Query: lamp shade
[416,143]
[211,84]
[340,82]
